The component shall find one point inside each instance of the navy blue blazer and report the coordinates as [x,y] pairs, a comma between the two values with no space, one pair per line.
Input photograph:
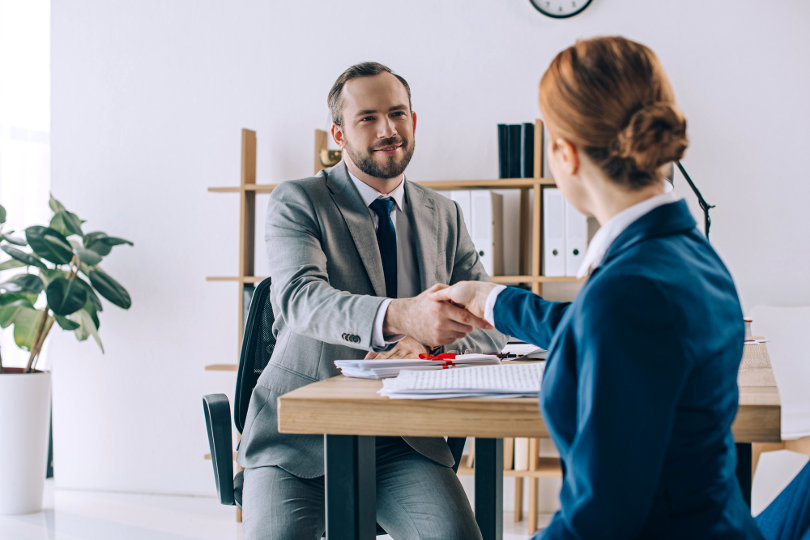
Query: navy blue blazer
[640,387]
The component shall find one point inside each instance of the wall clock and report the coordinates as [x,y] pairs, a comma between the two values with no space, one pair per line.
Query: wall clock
[560,9]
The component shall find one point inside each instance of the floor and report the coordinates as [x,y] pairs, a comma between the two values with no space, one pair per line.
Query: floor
[86,515]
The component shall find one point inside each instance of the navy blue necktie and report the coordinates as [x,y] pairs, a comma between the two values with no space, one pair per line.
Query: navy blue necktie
[387,242]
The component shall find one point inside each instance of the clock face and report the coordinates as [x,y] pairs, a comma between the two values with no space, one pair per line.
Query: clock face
[560,9]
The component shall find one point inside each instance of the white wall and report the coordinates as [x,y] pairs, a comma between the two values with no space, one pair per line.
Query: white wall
[149,97]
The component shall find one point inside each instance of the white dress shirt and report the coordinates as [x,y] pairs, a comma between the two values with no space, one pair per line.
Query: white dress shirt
[407,274]
[599,244]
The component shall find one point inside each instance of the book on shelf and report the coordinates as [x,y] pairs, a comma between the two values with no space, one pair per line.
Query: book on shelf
[503,144]
[516,150]
[482,211]
[565,235]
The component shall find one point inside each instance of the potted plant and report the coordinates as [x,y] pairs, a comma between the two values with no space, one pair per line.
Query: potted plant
[59,281]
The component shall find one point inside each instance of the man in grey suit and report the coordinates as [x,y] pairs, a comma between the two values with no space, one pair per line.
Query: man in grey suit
[355,254]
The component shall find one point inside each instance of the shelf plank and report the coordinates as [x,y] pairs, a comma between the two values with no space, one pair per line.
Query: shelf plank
[258,188]
[221,367]
[533,279]
[241,279]
[500,183]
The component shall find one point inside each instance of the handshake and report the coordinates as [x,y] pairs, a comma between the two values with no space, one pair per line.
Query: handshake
[440,315]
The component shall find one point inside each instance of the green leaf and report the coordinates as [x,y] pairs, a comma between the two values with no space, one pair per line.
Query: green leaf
[23,283]
[2,214]
[49,274]
[109,288]
[11,263]
[88,256]
[26,323]
[20,298]
[55,205]
[103,244]
[92,298]
[86,327]
[65,296]
[10,312]
[15,240]
[116,241]
[66,323]
[49,244]
[99,246]
[91,309]
[27,258]
[66,223]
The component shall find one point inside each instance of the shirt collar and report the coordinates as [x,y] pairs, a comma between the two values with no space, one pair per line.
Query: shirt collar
[604,237]
[369,194]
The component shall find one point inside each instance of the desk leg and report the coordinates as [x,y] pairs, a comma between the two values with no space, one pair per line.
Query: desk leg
[350,478]
[744,470]
[489,487]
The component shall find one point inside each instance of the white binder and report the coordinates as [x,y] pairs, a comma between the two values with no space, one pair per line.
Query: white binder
[486,229]
[463,199]
[576,239]
[553,232]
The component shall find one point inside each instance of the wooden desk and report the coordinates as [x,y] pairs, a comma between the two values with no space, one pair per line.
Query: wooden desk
[349,412]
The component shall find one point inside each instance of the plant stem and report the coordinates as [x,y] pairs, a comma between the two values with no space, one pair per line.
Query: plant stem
[38,337]
[42,339]
[74,271]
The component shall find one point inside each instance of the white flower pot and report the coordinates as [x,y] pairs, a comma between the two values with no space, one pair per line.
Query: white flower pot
[25,407]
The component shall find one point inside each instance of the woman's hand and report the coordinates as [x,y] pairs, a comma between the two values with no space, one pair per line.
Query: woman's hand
[471,295]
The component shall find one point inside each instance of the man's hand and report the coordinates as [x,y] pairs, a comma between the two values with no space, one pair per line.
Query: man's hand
[407,347]
[429,319]
[472,295]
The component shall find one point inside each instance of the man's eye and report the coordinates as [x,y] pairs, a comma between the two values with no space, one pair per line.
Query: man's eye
[367,119]
[398,113]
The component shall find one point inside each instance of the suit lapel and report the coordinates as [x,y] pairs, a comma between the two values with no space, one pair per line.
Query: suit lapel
[422,208]
[359,223]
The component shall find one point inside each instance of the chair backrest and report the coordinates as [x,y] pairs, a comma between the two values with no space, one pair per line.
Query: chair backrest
[258,342]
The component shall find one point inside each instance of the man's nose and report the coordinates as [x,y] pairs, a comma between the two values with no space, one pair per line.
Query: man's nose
[386,128]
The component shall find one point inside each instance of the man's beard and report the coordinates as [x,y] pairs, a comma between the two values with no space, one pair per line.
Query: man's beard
[390,168]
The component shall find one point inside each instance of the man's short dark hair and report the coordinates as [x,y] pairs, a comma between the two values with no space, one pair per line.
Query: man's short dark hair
[365,69]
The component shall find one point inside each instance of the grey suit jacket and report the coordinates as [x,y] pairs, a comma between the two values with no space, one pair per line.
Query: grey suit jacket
[328,284]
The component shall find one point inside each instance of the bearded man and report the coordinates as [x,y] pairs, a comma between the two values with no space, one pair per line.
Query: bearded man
[354,253]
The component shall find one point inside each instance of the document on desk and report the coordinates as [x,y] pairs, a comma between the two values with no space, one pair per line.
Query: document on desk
[391,367]
[514,380]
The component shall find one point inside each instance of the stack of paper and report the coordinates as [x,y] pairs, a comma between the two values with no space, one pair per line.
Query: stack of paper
[390,367]
[485,381]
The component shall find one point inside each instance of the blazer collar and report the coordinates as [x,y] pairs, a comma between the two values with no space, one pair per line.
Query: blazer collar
[665,220]
[422,209]
[358,221]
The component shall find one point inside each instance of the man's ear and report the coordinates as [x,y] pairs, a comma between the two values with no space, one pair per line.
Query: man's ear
[337,136]
[568,155]
[413,115]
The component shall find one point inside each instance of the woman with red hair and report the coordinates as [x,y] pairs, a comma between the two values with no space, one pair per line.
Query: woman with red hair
[640,386]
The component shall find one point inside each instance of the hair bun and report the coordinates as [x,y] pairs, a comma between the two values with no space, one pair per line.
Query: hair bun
[654,135]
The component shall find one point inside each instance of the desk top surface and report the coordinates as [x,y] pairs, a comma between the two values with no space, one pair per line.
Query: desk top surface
[347,406]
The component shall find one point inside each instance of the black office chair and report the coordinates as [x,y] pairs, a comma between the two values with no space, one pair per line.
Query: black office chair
[257,347]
